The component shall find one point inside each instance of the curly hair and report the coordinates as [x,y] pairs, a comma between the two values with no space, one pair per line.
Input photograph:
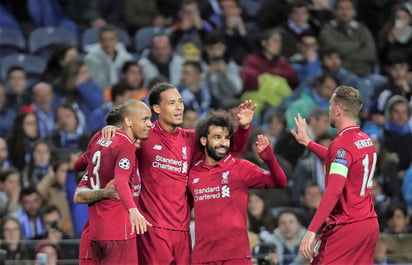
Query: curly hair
[217,118]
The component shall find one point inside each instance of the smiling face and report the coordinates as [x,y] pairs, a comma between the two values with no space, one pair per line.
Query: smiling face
[141,123]
[217,142]
[170,108]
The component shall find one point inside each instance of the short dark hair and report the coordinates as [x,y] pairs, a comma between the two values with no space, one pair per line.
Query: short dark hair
[126,66]
[337,2]
[217,118]
[307,185]
[107,28]
[296,4]
[154,96]
[28,191]
[196,65]
[119,89]
[393,206]
[395,57]
[323,77]
[266,34]
[113,117]
[5,173]
[213,38]
[316,113]
[349,99]
[326,52]
[14,68]
[49,208]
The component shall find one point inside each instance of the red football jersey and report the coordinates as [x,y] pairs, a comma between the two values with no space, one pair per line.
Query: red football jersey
[220,195]
[352,151]
[108,159]
[164,160]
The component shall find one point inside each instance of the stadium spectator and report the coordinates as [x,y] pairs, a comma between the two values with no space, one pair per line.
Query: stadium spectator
[309,168]
[119,93]
[221,72]
[39,163]
[298,23]
[76,88]
[267,60]
[17,93]
[52,251]
[231,179]
[60,56]
[52,222]
[106,58]
[161,60]
[52,189]
[193,92]
[350,38]
[189,31]
[29,213]
[239,34]
[346,201]
[306,61]
[276,126]
[287,237]
[396,35]
[395,244]
[9,192]
[7,114]
[259,213]
[4,154]
[317,96]
[21,139]
[310,196]
[139,14]
[68,138]
[132,75]
[190,118]
[397,132]
[13,240]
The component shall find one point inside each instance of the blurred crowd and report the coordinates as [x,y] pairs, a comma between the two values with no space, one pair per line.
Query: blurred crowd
[286,55]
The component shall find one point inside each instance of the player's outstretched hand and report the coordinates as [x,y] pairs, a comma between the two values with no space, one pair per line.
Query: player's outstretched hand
[262,142]
[108,131]
[307,244]
[246,112]
[139,223]
[300,133]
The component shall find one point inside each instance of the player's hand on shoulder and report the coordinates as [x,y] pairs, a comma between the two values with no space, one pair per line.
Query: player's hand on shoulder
[108,131]
[300,133]
[139,223]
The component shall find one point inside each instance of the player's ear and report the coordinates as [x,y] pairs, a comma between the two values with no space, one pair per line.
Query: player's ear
[156,108]
[127,121]
[203,140]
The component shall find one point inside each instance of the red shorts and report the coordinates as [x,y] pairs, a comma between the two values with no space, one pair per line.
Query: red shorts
[227,262]
[86,261]
[109,252]
[85,251]
[347,244]
[160,246]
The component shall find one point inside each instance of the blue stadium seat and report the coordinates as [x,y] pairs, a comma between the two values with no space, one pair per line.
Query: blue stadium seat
[143,37]
[11,42]
[91,36]
[33,65]
[42,40]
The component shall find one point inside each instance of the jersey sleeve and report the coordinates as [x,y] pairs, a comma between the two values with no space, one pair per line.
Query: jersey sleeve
[239,140]
[318,149]
[125,163]
[84,181]
[81,163]
[340,162]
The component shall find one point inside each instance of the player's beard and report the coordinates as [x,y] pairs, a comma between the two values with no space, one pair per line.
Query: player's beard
[332,123]
[211,151]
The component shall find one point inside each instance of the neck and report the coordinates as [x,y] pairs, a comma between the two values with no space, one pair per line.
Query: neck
[268,56]
[344,123]
[167,126]
[209,161]
[129,133]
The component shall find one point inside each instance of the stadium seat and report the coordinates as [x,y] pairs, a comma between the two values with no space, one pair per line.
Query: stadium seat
[91,36]
[11,42]
[33,65]
[143,37]
[42,40]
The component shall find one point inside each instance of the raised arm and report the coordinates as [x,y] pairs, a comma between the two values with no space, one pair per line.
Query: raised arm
[267,155]
[302,137]
[245,117]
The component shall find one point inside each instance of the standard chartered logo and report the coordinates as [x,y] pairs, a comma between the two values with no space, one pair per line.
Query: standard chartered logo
[225,191]
[209,193]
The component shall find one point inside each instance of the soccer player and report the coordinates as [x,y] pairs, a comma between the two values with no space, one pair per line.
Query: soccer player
[113,224]
[164,162]
[351,230]
[219,186]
